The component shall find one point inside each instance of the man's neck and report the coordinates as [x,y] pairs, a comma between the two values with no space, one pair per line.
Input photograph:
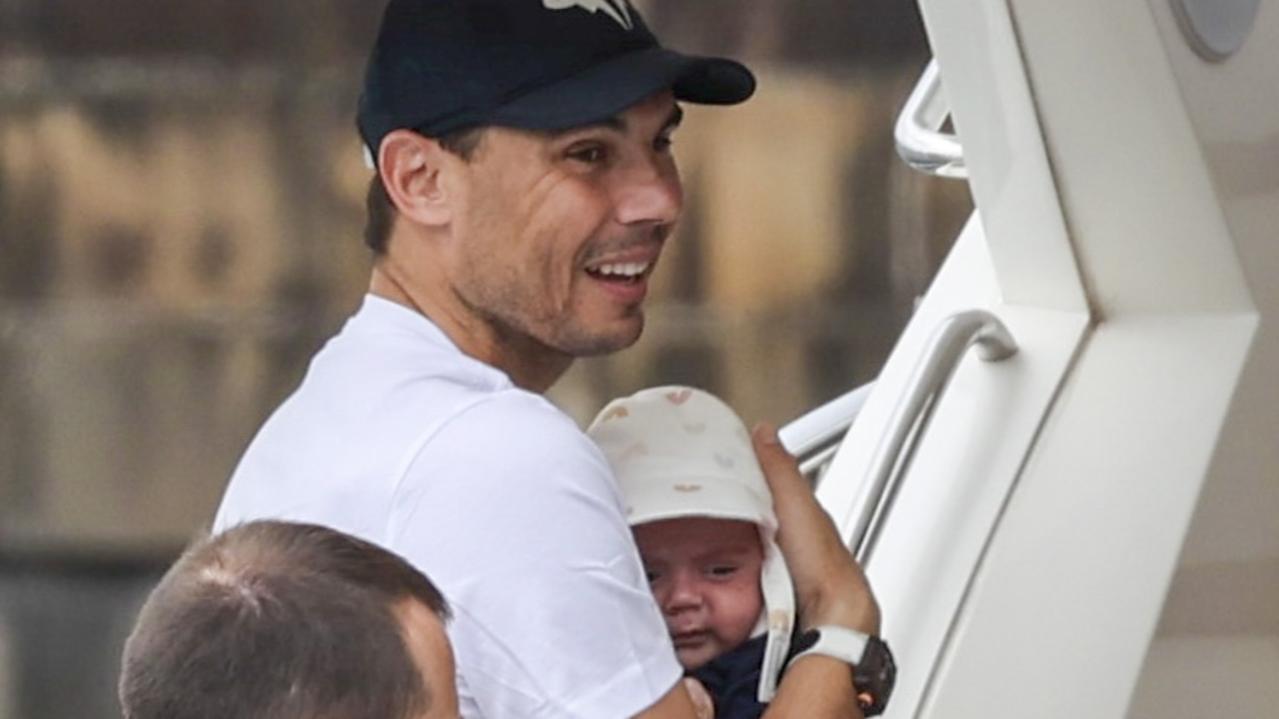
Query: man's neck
[530,364]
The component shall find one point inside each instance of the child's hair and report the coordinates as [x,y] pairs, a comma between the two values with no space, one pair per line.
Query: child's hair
[681,452]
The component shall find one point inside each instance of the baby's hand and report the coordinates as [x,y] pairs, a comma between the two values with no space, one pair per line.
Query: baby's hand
[702,701]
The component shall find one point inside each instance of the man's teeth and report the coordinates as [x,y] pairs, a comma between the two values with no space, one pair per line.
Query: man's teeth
[623,269]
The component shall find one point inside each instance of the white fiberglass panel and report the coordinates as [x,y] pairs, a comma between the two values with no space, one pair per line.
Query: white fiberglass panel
[1234,108]
[994,115]
[1070,589]
[1221,618]
[1066,598]
[964,466]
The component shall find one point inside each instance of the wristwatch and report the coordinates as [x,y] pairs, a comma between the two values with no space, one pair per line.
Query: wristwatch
[874,670]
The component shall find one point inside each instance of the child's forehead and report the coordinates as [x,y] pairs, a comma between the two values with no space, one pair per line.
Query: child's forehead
[710,533]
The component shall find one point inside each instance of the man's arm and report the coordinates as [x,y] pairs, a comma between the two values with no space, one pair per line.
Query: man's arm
[677,704]
[815,688]
[831,588]
[829,584]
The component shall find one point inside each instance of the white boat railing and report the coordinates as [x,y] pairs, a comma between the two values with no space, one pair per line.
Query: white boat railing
[908,422]
[920,141]
[815,437]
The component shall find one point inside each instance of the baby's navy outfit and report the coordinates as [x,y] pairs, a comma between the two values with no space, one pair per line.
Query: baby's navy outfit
[733,680]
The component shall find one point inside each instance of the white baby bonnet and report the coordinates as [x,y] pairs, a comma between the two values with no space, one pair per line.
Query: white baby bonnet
[681,452]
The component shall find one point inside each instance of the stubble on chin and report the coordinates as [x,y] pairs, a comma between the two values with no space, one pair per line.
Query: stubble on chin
[508,317]
[581,342]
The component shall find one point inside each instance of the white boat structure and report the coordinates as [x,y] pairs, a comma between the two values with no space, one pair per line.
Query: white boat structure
[1081,518]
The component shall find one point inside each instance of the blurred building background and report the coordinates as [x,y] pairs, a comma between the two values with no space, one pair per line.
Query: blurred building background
[181,202]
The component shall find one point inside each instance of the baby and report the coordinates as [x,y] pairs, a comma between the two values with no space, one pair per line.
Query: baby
[703,519]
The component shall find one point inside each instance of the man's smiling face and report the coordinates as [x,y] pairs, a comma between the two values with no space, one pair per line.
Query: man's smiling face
[556,234]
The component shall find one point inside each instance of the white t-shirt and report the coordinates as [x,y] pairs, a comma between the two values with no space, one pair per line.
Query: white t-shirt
[396,436]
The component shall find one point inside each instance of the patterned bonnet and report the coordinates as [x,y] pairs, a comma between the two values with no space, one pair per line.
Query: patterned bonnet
[681,452]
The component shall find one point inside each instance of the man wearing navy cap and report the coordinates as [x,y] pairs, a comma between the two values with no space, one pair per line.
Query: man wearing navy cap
[524,191]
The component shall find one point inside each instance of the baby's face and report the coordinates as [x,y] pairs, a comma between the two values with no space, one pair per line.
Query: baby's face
[704,574]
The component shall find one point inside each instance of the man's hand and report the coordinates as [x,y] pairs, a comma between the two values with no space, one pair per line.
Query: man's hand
[831,587]
[702,701]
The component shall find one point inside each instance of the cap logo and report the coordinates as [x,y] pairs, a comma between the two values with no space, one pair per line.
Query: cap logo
[619,10]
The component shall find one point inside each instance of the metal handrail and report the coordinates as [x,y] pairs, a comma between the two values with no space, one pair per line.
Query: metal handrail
[947,346]
[920,141]
[814,465]
[814,437]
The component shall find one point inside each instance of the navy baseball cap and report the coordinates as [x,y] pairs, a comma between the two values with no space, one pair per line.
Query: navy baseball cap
[445,65]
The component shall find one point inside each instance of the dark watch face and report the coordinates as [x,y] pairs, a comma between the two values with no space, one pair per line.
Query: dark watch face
[874,677]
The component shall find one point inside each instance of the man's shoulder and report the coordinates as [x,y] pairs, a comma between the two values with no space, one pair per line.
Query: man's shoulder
[513,406]
[387,342]
[515,425]
[388,368]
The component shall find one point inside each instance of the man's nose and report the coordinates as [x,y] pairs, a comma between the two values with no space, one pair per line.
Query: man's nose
[650,193]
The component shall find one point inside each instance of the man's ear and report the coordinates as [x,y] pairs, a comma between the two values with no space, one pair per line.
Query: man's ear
[413,168]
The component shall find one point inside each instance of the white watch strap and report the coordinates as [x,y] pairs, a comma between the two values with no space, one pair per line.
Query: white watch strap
[845,644]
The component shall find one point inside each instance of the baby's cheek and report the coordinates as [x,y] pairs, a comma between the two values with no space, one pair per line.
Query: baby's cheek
[739,612]
[750,600]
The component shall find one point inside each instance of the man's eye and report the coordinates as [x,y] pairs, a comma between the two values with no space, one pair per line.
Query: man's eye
[652,575]
[590,154]
[663,143]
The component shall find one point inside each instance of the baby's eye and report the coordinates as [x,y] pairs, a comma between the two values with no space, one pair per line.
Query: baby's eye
[721,571]
[652,575]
